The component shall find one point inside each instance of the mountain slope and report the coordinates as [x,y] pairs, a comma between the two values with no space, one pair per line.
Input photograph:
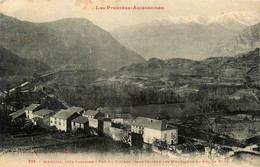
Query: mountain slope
[184,37]
[216,70]
[247,40]
[11,64]
[75,42]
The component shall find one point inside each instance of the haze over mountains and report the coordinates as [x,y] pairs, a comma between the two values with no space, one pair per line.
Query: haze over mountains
[191,37]
[67,42]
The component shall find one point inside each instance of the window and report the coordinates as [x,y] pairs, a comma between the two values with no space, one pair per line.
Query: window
[165,136]
[172,135]
[51,121]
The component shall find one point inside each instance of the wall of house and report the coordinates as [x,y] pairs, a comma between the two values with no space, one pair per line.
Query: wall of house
[68,121]
[78,125]
[170,136]
[31,114]
[150,135]
[27,113]
[100,126]
[60,124]
[52,121]
[118,120]
[137,129]
[65,125]
[93,123]
[75,126]
[106,128]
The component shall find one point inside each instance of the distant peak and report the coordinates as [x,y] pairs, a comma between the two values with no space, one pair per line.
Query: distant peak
[184,19]
[244,18]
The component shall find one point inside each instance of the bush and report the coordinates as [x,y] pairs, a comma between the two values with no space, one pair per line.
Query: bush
[80,131]
[162,145]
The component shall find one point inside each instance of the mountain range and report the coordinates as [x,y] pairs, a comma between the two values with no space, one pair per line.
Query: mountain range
[215,70]
[244,18]
[191,37]
[63,43]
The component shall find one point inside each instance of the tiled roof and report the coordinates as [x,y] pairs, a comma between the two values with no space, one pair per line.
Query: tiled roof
[91,112]
[63,114]
[80,119]
[32,107]
[18,113]
[43,112]
[123,116]
[152,123]
[103,119]
[75,109]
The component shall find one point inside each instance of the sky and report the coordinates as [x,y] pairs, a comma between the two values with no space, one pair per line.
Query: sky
[50,10]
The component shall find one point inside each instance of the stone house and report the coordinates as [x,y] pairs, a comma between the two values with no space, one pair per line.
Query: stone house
[152,129]
[30,109]
[80,122]
[62,119]
[42,117]
[93,116]
[19,115]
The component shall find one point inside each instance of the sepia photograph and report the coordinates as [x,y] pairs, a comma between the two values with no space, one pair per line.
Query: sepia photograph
[129,83]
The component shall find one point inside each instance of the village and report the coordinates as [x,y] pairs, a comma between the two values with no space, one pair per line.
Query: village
[39,119]
[153,135]
[124,129]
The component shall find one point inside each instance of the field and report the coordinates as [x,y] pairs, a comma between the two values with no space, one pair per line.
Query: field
[176,110]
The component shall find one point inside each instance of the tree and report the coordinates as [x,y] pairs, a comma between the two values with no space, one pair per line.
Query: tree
[162,145]
[208,110]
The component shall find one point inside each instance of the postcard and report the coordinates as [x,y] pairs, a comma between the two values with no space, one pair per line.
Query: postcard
[129,83]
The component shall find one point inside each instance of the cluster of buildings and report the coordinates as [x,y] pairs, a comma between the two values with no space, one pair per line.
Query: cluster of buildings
[119,129]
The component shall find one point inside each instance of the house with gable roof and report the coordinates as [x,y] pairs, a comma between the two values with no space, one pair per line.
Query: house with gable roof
[42,117]
[93,116]
[80,122]
[79,110]
[62,119]
[152,129]
[18,115]
[30,109]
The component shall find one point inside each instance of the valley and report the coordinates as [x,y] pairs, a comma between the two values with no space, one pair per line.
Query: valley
[199,76]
